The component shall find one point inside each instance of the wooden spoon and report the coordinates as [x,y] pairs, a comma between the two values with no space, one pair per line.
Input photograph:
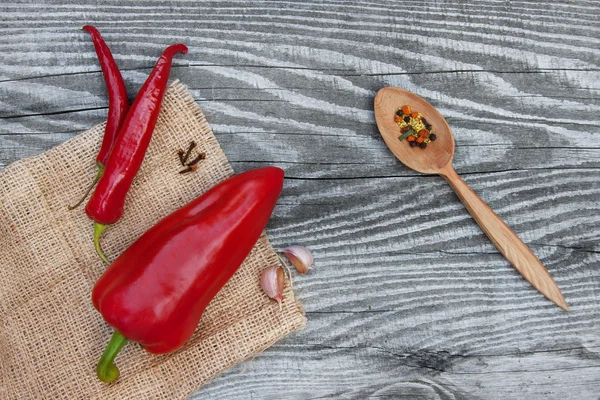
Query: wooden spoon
[437,159]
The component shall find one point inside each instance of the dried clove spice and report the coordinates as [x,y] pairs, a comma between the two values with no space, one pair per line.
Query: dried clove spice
[190,168]
[191,165]
[180,154]
[189,151]
[196,160]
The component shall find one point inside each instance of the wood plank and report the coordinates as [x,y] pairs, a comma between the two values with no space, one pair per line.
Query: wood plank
[380,373]
[263,119]
[415,303]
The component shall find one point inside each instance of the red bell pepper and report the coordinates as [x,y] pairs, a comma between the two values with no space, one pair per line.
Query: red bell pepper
[156,291]
[118,104]
[106,203]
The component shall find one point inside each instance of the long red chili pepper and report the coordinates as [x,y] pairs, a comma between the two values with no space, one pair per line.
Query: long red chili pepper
[106,204]
[155,292]
[118,104]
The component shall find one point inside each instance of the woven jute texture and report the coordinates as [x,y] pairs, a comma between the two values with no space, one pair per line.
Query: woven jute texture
[51,337]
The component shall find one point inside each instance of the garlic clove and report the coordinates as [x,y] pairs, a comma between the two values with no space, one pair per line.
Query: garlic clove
[272,282]
[300,257]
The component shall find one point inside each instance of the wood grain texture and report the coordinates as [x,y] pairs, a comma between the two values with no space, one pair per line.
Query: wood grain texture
[415,303]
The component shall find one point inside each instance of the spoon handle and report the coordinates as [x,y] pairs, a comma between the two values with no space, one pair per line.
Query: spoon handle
[508,243]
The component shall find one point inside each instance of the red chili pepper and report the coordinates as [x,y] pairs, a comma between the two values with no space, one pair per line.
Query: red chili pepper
[156,291]
[106,204]
[118,104]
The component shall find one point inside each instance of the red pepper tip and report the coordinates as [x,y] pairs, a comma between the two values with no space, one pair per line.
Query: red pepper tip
[176,48]
[277,171]
[90,28]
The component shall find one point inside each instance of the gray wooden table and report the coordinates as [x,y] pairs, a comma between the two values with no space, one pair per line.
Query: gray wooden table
[409,299]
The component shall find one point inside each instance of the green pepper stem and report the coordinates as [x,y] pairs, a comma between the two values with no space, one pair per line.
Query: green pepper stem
[98,229]
[107,371]
[89,189]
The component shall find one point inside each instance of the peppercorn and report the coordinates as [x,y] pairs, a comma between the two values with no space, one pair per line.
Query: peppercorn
[423,145]
[432,137]
[413,143]
[399,113]
[407,119]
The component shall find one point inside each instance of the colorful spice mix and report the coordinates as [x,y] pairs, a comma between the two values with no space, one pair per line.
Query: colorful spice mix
[413,127]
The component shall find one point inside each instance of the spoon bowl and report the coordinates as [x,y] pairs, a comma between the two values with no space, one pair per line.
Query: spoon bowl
[437,155]
[436,158]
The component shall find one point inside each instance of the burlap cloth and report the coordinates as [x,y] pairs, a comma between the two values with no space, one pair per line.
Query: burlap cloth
[51,336]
